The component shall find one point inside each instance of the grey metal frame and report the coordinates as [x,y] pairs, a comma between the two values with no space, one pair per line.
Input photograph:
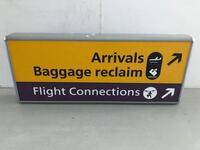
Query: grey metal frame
[98,37]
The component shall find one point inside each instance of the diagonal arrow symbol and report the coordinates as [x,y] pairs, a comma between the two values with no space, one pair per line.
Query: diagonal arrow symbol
[170,91]
[177,56]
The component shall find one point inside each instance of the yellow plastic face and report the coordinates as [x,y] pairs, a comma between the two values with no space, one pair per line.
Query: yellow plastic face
[98,61]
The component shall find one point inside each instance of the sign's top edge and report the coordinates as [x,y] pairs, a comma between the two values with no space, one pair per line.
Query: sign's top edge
[99,37]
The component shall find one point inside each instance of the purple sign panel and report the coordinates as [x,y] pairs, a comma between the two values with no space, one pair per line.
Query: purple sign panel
[98,92]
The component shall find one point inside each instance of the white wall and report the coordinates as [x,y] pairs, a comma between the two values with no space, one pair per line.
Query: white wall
[106,16]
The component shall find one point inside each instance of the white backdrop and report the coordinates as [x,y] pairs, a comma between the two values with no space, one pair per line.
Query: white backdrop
[105,16]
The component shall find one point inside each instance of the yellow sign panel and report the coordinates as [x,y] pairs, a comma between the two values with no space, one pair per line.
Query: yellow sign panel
[98,61]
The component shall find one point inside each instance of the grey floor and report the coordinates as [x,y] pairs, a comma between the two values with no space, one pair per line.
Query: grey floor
[100,127]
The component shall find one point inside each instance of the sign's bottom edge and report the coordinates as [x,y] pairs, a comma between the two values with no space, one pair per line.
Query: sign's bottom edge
[96,102]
